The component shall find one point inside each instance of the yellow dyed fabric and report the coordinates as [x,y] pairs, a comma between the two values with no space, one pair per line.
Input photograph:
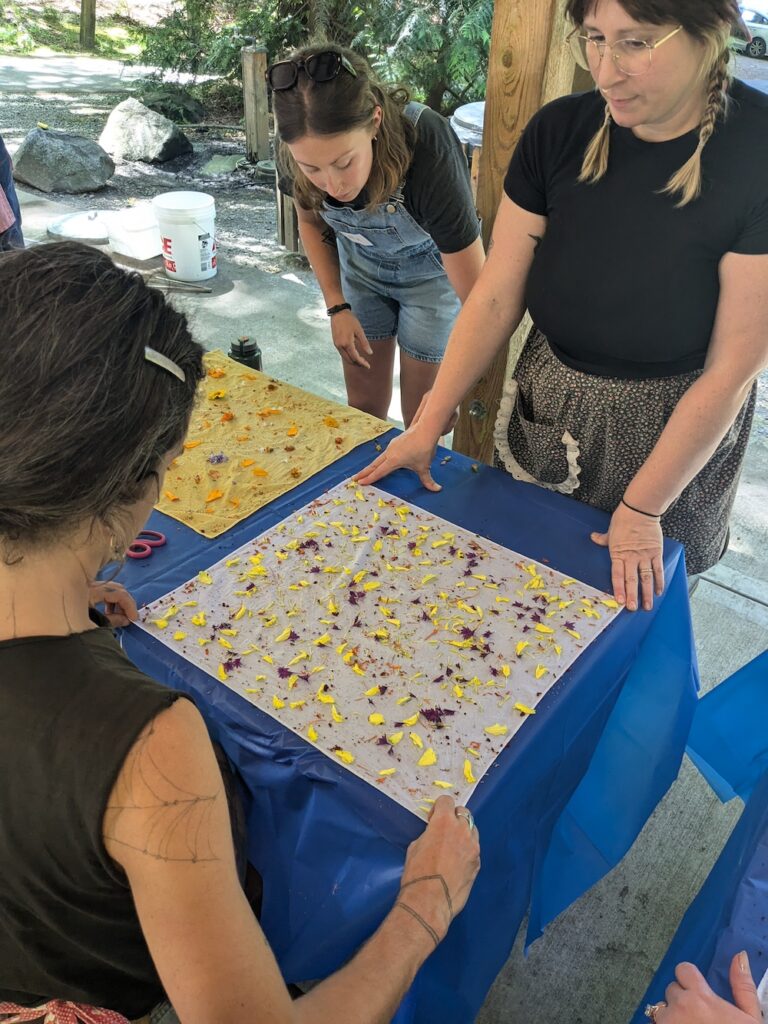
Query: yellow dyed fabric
[251,439]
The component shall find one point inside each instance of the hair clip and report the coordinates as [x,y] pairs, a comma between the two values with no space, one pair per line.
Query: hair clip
[153,356]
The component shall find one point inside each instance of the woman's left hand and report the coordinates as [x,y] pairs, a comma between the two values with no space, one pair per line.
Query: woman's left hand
[690,1000]
[635,542]
[119,607]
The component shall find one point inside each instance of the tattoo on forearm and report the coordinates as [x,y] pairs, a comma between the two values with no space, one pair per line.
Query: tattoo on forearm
[537,240]
[176,822]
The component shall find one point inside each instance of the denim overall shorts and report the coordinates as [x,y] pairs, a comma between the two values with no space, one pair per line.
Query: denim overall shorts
[392,274]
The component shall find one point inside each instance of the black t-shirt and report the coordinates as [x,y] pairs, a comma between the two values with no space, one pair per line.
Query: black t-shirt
[70,710]
[624,284]
[437,191]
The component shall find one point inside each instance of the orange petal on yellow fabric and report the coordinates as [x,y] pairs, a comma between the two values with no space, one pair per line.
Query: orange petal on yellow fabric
[214,495]
[215,395]
[191,444]
[330,421]
[259,472]
[227,416]
[293,430]
[245,463]
[171,496]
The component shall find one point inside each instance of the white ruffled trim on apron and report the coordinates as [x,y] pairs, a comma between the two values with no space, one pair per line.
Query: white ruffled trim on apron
[500,436]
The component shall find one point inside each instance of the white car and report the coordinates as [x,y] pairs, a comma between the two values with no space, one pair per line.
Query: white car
[757,24]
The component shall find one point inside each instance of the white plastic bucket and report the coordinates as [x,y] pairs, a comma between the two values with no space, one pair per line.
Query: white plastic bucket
[188,234]
[134,232]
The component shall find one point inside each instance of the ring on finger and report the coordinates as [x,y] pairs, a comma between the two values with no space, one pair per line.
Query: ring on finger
[646,572]
[462,812]
[653,1008]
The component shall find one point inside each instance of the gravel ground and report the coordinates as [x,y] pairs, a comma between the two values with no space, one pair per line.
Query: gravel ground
[245,204]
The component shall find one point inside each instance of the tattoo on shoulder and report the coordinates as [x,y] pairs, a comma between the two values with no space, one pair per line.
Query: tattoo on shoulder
[329,236]
[175,824]
[537,241]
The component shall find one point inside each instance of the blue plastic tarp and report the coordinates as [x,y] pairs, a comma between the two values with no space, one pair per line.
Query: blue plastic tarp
[330,847]
[729,743]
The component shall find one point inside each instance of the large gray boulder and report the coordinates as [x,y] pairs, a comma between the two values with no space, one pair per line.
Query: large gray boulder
[58,162]
[134,132]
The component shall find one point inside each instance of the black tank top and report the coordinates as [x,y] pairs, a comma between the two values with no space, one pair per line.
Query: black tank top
[70,710]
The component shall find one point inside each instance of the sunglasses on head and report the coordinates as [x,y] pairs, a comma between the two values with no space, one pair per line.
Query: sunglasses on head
[320,67]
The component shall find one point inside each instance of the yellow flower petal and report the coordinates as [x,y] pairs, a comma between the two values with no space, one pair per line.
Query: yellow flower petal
[179,635]
[387,771]
[198,619]
[345,756]
[336,714]
[205,577]
[574,634]
[297,704]
[521,647]
[373,692]
[524,709]
[496,730]
[457,691]
[284,635]
[541,628]
[239,613]
[428,758]
[376,718]
[412,720]
[321,641]
[160,623]
[541,670]
[442,784]
[395,738]
[277,703]
[312,733]
[416,740]
[468,772]
[222,673]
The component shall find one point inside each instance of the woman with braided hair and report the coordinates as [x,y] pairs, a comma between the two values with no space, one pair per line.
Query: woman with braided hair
[634,227]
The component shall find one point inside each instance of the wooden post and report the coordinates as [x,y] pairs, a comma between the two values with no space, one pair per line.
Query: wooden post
[528,66]
[255,101]
[87,24]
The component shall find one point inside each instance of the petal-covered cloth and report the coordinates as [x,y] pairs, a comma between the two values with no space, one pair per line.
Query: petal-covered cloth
[252,438]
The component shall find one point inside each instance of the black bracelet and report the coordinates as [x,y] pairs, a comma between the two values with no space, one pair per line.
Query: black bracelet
[651,515]
[333,310]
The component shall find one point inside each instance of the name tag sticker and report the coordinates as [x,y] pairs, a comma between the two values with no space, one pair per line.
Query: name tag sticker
[357,239]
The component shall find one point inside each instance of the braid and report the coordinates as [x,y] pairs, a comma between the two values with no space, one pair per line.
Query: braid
[686,182]
[595,162]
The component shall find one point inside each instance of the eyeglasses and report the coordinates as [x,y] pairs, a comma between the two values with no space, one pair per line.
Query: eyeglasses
[320,67]
[631,56]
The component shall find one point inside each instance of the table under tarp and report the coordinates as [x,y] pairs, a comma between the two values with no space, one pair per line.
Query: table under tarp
[560,807]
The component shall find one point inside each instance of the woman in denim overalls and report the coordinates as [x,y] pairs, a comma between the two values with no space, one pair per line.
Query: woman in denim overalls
[354,149]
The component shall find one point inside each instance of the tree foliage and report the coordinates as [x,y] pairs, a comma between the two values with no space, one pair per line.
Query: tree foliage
[439,48]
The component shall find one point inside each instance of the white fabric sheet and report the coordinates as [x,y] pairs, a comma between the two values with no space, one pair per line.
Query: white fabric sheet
[405,648]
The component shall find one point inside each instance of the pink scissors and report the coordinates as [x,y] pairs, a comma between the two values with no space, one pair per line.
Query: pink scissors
[145,544]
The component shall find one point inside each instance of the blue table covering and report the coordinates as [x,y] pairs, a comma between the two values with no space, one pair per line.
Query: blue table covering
[729,743]
[330,847]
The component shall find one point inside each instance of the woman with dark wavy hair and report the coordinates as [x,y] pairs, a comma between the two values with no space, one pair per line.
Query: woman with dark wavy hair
[634,227]
[119,884]
[386,216]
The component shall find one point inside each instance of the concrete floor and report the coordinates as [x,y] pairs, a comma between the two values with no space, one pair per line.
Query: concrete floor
[593,964]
